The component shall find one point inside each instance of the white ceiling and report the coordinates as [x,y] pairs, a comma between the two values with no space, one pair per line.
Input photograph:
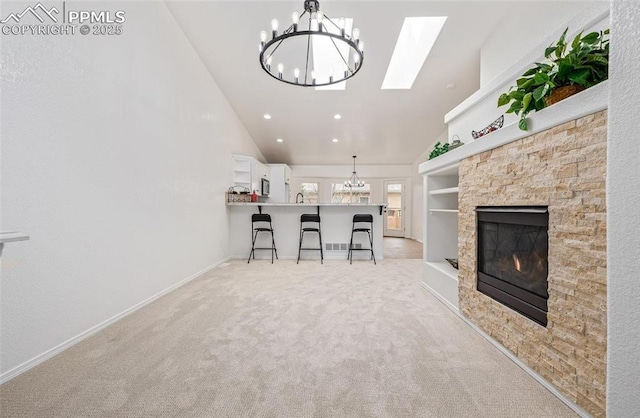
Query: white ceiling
[380,126]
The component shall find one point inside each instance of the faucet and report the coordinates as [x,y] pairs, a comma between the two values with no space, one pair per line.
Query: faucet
[301,200]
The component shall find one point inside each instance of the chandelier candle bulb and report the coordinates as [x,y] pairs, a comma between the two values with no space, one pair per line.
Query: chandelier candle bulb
[355,34]
[274,28]
[341,26]
[280,70]
[263,37]
[296,75]
[313,77]
[295,18]
[269,63]
[320,17]
[361,46]
[314,25]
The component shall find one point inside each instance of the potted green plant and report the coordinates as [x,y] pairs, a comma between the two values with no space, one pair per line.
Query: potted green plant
[566,72]
[438,149]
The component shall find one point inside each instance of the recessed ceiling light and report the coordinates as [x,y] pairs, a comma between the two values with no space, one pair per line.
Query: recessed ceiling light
[334,140]
[279,140]
[417,36]
[267,116]
[451,86]
[336,116]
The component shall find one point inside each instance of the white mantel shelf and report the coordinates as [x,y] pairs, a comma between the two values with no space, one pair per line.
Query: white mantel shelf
[582,104]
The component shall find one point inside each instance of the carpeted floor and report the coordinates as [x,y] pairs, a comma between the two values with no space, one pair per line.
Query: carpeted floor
[286,340]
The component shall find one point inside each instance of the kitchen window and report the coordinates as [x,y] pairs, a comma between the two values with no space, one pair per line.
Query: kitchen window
[310,192]
[342,194]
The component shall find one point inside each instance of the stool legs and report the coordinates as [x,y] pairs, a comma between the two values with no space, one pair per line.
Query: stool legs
[253,246]
[351,249]
[300,246]
[373,256]
[273,248]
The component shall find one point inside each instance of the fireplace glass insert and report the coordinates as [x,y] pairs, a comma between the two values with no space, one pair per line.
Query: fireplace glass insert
[513,245]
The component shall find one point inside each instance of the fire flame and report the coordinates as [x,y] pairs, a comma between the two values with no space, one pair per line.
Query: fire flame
[516,262]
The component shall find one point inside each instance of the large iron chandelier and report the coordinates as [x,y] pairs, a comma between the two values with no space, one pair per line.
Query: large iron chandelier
[335,49]
[354,181]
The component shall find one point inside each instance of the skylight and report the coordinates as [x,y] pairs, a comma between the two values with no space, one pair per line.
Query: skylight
[417,36]
[325,59]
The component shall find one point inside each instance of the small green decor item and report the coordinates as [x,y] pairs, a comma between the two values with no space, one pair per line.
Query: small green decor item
[565,73]
[438,149]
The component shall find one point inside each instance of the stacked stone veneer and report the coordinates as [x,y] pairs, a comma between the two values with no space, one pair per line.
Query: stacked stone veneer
[563,168]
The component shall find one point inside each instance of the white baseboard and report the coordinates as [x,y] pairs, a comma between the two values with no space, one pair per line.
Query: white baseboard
[441,299]
[16,371]
[581,412]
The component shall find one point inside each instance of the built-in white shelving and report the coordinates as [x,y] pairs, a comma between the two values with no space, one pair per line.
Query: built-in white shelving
[248,172]
[448,190]
[445,268]
[441,233]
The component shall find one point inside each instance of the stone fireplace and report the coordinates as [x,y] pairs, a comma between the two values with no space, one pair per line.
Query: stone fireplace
[559,172]
[512,258]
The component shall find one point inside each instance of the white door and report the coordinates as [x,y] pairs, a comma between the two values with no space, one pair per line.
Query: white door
[394,217]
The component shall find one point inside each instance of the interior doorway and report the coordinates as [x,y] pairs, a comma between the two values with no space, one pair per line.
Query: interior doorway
[394,223]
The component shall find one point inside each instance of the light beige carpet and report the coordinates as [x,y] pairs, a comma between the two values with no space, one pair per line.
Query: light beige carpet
[286,340]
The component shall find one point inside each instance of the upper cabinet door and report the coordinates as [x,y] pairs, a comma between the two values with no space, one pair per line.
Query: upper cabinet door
[287,174]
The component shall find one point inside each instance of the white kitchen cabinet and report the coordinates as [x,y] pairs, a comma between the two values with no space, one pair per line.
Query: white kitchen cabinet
[280,180]
[248,172]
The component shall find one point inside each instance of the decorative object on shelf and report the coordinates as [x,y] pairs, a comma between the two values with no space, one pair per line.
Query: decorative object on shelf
[564,74]
[286,56]
[495,125]
[354,181]
[455,143]
[453,262]
[238,194]
[562,93]
[438,149]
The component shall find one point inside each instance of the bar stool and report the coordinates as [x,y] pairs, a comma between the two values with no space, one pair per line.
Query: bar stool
[261,219]
[305,219]
[362,219]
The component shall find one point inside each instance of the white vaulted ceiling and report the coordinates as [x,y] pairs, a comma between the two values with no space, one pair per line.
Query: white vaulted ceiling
[380,126]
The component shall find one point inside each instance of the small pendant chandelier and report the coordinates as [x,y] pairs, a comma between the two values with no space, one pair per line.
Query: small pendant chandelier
[340,54]
[354,181]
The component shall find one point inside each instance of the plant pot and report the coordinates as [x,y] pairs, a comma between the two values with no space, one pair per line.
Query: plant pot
[562,93]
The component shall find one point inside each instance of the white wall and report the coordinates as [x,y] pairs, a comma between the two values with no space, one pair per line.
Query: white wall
[375,175]
[623,201]
[116,152]
[522,30]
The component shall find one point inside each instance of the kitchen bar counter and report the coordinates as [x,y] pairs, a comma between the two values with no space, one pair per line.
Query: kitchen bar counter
[336,220]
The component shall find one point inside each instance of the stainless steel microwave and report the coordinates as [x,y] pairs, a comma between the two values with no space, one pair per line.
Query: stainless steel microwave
[265,187]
